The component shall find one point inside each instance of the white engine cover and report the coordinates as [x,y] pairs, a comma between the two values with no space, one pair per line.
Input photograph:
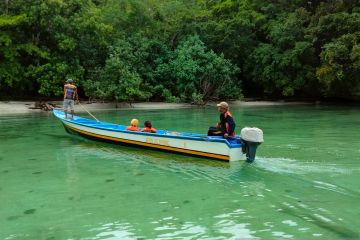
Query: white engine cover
[252,134]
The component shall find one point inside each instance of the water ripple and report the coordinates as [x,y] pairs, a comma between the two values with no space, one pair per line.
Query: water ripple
[187,231]
[113,231]
[331,187]
[191,168]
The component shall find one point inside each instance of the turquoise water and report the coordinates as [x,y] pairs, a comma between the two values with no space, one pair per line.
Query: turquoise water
[304,184]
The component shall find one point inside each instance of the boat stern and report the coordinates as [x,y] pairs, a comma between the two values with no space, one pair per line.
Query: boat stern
[236,154]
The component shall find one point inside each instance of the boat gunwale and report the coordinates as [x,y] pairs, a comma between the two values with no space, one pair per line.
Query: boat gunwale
[145,133]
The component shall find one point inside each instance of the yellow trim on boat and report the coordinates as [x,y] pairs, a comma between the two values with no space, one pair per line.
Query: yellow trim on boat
[211,155]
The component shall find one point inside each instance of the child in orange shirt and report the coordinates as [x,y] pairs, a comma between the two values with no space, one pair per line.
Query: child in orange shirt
[148,127]
[133,125]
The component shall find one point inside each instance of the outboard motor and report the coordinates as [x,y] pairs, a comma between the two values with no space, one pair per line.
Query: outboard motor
[252,137]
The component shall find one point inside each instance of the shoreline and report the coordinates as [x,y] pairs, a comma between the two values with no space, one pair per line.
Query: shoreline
[24,107]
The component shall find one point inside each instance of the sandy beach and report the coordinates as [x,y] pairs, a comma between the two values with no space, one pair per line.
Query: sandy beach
[23,107]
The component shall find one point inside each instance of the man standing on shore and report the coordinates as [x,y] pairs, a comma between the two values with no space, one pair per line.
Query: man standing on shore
[70,94]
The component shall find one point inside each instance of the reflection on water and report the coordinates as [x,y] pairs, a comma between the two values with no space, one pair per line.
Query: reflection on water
[303,185]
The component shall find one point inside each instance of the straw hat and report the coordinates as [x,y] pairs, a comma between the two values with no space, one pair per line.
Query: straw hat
[224,105]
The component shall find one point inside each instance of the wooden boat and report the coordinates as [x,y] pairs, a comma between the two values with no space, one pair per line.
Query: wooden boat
[180,142]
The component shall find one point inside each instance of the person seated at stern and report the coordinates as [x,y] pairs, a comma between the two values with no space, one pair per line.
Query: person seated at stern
[226,126]
[148,127]
[133,125]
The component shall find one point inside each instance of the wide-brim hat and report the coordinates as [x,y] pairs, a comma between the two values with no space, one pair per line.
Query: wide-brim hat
[223,105]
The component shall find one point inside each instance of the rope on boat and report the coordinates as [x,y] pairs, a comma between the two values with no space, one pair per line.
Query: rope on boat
[88,112]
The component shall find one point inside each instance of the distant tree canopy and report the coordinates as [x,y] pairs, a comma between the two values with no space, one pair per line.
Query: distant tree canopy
[192,51]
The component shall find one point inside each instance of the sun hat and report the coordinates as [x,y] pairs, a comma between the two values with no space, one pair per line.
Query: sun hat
[223,105]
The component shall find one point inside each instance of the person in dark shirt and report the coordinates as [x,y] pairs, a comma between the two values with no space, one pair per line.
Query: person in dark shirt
[226,124]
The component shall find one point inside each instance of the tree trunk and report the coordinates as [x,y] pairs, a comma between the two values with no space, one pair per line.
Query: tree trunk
[6,7]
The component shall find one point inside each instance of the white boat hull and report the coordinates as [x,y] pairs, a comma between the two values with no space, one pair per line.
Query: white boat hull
[174,142]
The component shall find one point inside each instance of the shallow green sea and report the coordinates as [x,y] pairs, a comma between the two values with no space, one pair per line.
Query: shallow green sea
[305,183]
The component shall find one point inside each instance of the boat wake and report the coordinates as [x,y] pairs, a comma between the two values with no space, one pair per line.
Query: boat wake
[286,166]
[297,170]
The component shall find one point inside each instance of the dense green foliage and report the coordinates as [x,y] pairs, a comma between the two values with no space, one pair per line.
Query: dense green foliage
[127,50]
